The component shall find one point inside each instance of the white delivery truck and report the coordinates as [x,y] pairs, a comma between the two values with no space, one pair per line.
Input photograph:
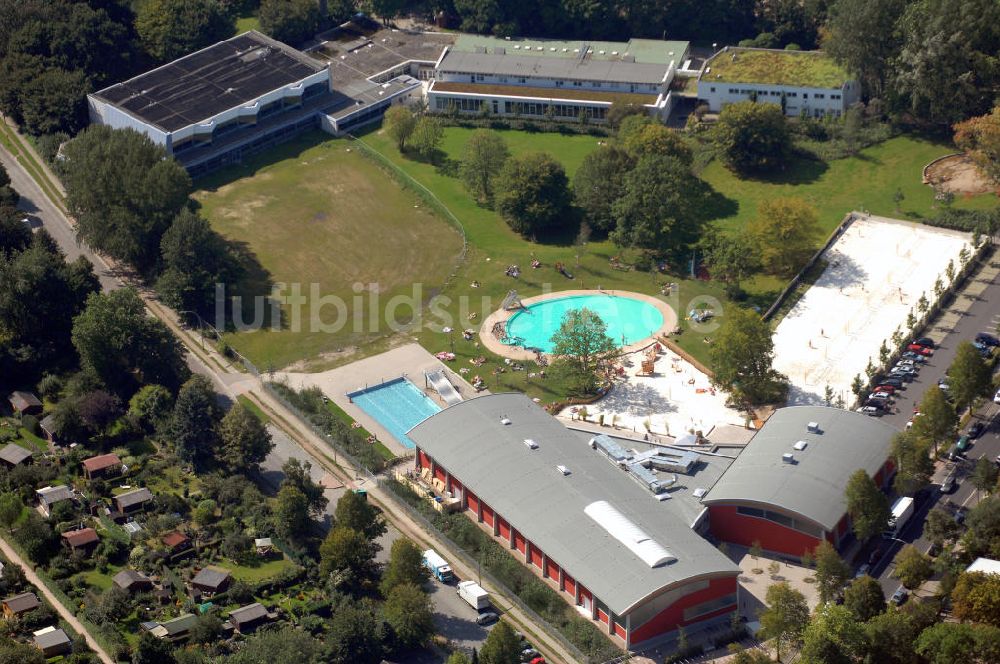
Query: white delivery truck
[474,594]
[902,510]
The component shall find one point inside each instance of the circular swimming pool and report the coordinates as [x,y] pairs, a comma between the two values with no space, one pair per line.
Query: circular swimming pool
[629,319]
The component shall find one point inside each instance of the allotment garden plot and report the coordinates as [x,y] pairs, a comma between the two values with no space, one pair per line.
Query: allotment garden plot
[876,272]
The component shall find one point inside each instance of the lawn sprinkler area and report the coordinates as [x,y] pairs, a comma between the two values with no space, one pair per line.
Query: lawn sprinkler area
[876,272]
[674,399]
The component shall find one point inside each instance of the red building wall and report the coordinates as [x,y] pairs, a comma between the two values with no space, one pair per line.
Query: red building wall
[488,515]
[425,461]
[569,583]
[504,529]
[619,631]
[519,542]
[602,616]
[729,526]
[473,501]
[536,556]
[439,474]
[551,570]
[672,617]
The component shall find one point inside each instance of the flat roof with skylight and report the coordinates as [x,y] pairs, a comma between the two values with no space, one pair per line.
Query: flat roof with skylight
[810,69]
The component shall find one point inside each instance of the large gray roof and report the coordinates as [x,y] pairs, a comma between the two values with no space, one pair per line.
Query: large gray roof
[524,486]
[508,64]
[812,486]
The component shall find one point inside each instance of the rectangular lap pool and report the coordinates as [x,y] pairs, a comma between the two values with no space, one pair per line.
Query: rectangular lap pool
[397,405]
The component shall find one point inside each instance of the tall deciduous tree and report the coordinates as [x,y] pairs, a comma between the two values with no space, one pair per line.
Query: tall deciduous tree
[868,507]
[914,465]
[123,346]
[968,376]
[912,567]
[347,555]
[169,29]
[940,527]
[407,609]
[287,645]
[984,475]
[983,522]
[291,514]
[742,354]
[355,512]
[976,597]
[427,136]
[356,633]
[289,21]
[124,192]
[11,508]
[149,409]
[582,344]
[948,642]
[980,138]
[193,429]
[831,572]
[297,474]
[656,211]
[532,193]
[785,232]
[785,617]
[753,137]
[484,155]
[833,636]
[599,182]
[195,259]
[501,646]
[399,122]
[55,100]
[937,421]
[862,36]
[406,564]
[655,139]
[864,598]
[245,440]
[731,258]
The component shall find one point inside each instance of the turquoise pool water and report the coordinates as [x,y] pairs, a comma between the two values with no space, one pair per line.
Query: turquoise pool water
[628,320]
[398,406]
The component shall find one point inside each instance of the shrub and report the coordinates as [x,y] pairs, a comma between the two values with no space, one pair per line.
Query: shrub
[30,422]
[48,145]
[50,386]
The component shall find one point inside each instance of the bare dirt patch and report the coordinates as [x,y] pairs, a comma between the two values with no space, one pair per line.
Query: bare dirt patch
[959,175]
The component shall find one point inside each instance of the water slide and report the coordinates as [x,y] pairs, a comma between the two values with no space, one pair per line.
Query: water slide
[444,387]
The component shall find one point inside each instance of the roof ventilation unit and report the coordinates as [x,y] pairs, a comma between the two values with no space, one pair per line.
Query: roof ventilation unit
[504,420]
[813,427]
[700,492]
[801,445]
[788,457]
[532,445]
[563,469]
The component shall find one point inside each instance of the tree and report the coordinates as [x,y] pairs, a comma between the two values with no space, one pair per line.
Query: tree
[193,423]
[833,636]
[968,376]
[914,466]
[785,232]
[742,354]
[979,137]
[484,156]
[861,35]
[502,646]
[620,109]
[407,609]
[731,258]
[427,135]
[912,567]
[657,211]
[785,617]
[655,139]
[946,69]
[14,235]
[984,475]
[599,182]
[245,440]
[297,474]
[55,101]
[195,260]
[124,192]
[582,345]
[531,193]
[406,564]
[150,649]
[289,21]
[864,598]
[149,409]
[947,643]
[458,657]
[940,527]
[169,29]
[206,629]
[98,410]
[36,538]
[743,656]
[976,597]
[399,122]
[356,634]
[291,514]
[982,537]
[831,572]
[868,507]
[355,512]
[11,508]
[752,137]
[938,420]
[287,645]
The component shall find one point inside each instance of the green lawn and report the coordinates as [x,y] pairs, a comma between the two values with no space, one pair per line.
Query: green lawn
[97,579]
[315,212]
[246,22]
[253,408]
[31,442]
[265,570]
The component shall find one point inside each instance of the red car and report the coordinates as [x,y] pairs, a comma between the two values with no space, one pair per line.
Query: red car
[888,389]
[916,348]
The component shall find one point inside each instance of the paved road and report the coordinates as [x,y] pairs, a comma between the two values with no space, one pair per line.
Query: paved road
[64,613]
[982,316]
[454,618]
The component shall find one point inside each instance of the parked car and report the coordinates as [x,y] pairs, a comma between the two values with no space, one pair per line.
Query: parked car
[916,357]
[963,443]
[921,350]
[996,397]
[879,396]
[487,618]
[528,654]
[954,454]
[888,389]
[871,411]
[948,484]
[900,596]
[943,384]
[906,361]
[976,430]
[904,376]
[926,342]
[893,381]
[862,571]
[987,339]
[905,368]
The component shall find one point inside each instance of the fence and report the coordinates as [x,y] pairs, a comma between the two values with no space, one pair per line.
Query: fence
[475,564]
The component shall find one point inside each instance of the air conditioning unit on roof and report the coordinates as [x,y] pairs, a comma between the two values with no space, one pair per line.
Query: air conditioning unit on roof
[788,457]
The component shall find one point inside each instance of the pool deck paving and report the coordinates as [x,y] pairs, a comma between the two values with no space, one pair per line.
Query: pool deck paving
[411,361]
[494,345]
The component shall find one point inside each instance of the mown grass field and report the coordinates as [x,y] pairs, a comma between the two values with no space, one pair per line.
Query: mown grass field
[313,212]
